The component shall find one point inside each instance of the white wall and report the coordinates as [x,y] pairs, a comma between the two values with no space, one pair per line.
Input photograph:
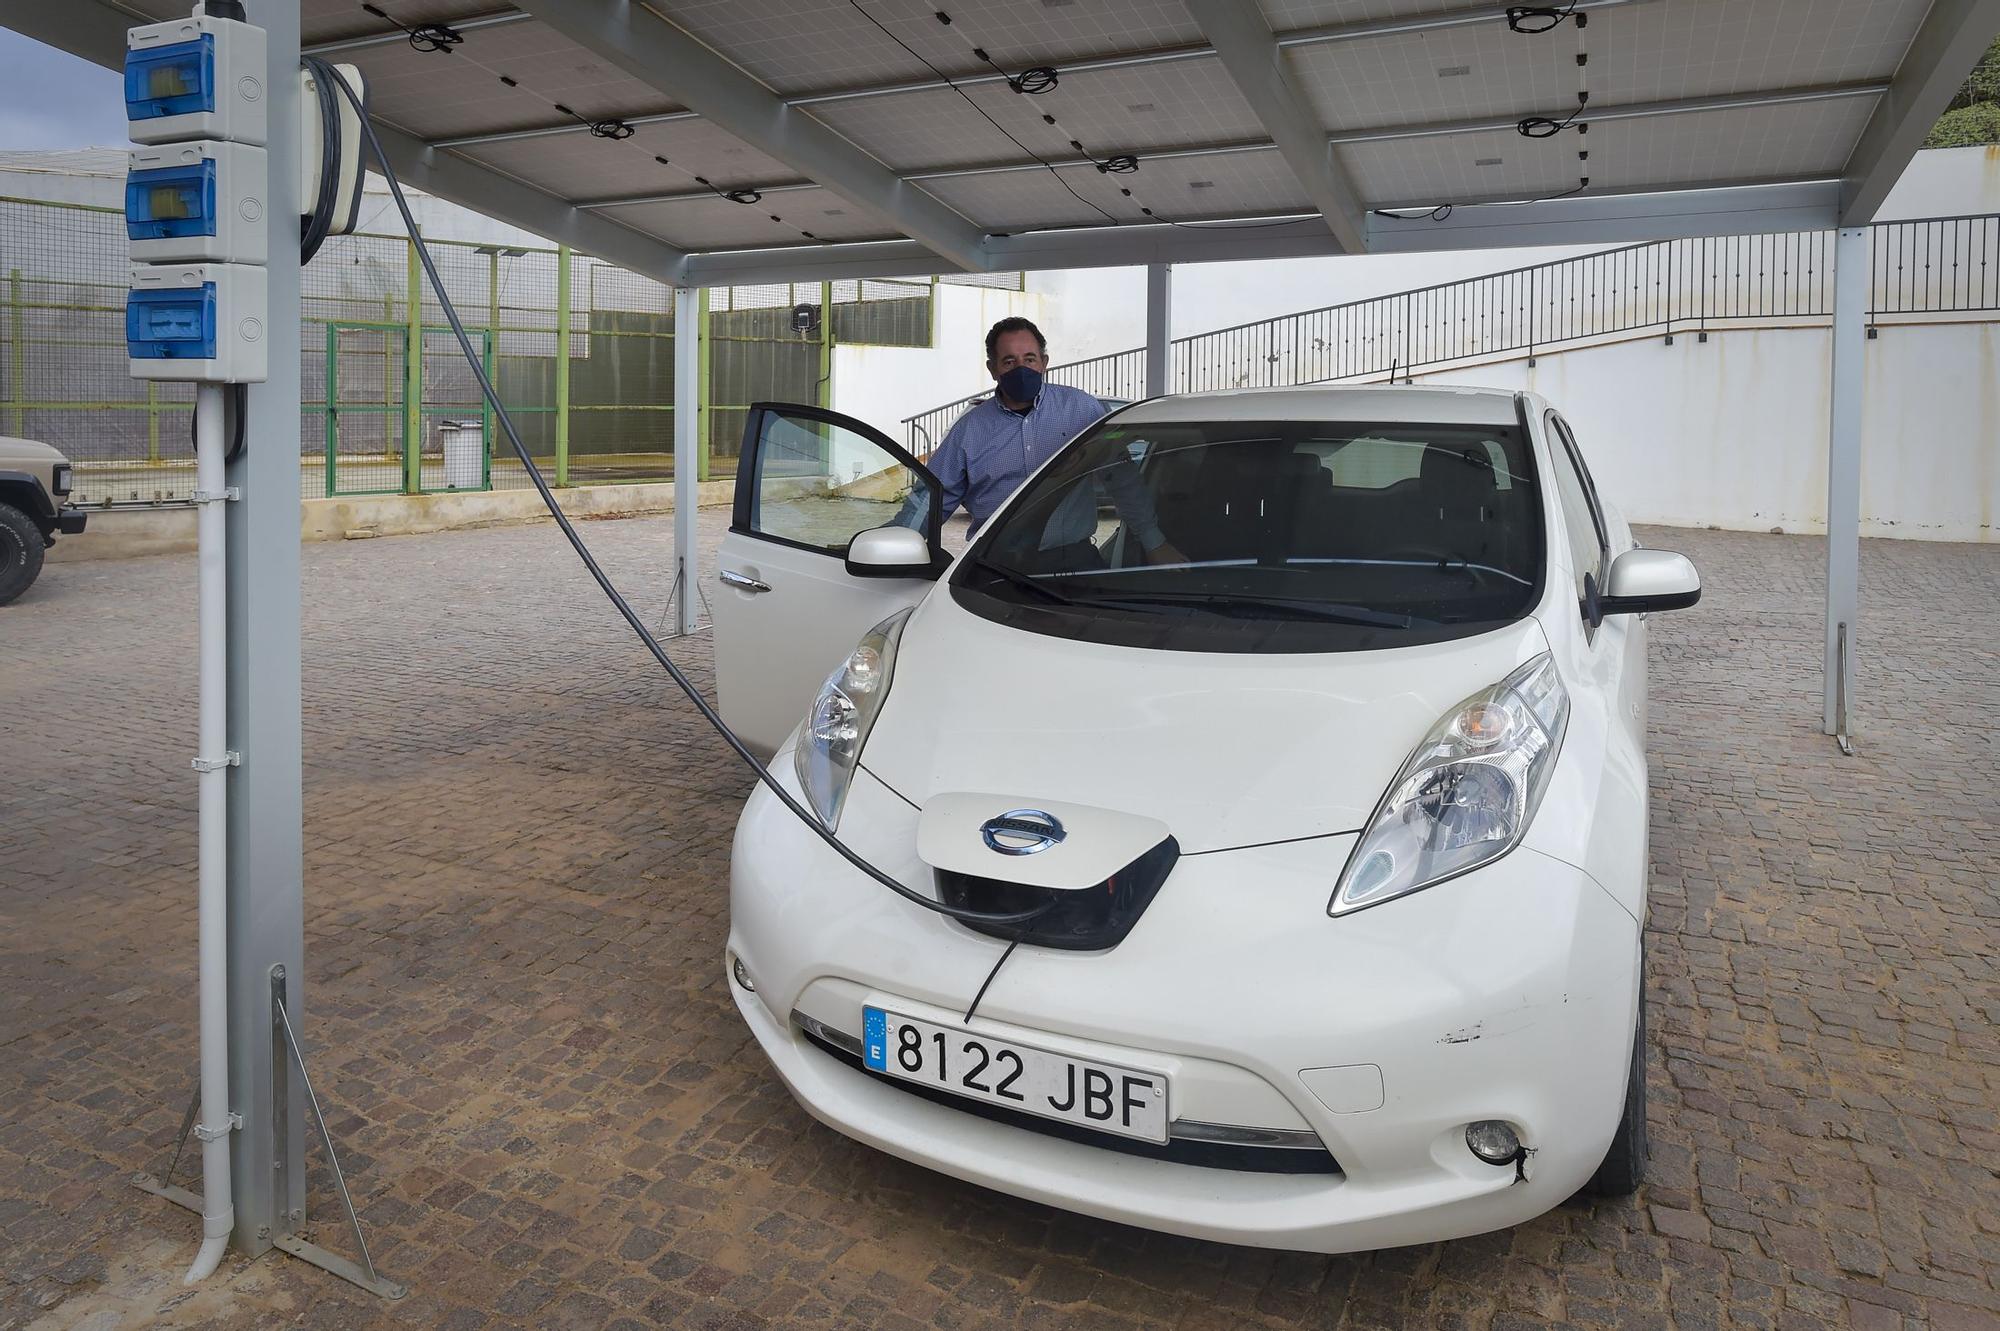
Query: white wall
[1733,432]
[882,385]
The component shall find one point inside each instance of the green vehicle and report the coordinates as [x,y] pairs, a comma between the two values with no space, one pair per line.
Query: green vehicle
[34,506]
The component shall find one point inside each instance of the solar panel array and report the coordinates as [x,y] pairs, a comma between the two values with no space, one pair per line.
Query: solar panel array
[1132,77]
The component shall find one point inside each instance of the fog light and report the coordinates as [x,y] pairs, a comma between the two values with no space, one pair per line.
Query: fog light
[1493,1141]
[742,975]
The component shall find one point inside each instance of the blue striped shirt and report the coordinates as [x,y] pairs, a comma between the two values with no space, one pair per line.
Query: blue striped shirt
[990,450]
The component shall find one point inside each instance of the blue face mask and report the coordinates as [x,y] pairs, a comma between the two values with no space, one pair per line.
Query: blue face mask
[1021,384]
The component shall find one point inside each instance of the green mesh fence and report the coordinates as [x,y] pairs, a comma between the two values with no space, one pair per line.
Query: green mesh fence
[388,405]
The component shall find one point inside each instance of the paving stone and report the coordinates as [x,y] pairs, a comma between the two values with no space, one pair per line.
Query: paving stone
[516,852]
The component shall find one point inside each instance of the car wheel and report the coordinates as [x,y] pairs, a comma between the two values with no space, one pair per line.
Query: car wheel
[21,548]
[1624,1167]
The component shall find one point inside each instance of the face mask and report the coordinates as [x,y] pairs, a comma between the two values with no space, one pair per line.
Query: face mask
[1021,384]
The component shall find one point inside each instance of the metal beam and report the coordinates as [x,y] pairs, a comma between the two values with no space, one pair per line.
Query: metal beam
[649,48]
[1302,37]
[1243,41]
[553,131]
[1432,129]
[1597,115]
[84,28]
[340,45]
[1614,219]
[487,191]
[1843,473]
[689,393]
[1950,42]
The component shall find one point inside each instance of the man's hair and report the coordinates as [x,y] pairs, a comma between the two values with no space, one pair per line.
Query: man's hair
[1012,324]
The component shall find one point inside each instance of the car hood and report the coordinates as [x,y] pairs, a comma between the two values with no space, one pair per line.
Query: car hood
[30,452]
[1226,750]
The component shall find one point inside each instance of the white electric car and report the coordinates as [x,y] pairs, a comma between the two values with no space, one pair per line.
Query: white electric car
[1286,749]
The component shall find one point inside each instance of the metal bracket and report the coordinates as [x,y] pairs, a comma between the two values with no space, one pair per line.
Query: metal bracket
[230,758]
[203,1132]
[215,496]
[1840,691]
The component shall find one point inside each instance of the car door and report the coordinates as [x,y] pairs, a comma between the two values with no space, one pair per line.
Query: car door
[1618,644]
[788,610]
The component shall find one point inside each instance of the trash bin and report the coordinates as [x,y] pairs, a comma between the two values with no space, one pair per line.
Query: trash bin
[464,445]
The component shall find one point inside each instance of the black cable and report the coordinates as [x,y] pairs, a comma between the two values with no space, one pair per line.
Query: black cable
[1542,127]
[238,404]
[597,573]
[1534,20]
[1444,210]
[424,37]
[317,225]
[611,127]
[993,974]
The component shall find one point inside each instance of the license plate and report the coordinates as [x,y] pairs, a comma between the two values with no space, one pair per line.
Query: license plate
[1126,1101]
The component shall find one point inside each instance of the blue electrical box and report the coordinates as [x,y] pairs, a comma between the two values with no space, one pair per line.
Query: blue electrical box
[176,324]
[201,322]
[195,78]
[197,201]
[175,80]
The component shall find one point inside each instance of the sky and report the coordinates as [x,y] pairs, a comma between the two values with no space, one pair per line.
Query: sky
[51,99]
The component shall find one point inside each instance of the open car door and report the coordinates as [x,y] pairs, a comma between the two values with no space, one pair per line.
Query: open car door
[789,610]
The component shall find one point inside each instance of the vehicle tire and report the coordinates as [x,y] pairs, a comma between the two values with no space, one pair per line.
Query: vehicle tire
[1624,1166]
[21,547]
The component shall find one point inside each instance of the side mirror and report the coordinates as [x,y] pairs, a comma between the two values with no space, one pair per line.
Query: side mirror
[1643,581]
[889,552]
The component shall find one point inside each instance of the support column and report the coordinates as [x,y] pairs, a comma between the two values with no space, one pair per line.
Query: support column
[1159,330]
[1843,473]
[266,914]
[563,257]
[689,393]
[707,426]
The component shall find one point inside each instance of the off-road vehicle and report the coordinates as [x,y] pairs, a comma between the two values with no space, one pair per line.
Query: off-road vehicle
[34,506]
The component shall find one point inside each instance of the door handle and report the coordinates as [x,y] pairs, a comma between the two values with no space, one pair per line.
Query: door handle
[742,581]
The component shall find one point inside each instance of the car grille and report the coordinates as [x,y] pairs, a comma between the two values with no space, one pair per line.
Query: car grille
[1087,919]
[1202,1145]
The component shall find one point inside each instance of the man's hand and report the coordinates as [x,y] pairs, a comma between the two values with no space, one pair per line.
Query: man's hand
[1165,553]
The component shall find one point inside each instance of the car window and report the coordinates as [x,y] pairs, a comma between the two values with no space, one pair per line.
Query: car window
[1581,523]
[1268,536]
[819,483]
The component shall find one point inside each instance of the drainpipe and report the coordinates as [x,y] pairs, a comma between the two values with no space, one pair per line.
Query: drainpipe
[212,761]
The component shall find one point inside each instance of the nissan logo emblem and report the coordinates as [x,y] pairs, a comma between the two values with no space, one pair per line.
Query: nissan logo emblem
[1021,832]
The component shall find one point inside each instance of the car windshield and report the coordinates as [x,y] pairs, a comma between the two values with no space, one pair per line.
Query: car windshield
[1267,536]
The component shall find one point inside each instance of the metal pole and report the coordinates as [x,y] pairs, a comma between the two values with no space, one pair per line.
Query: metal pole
[563,257]
[1159,330]
[825,385]
[1843,473]
[689,391]
[413,372]
[707,422]
[266,913]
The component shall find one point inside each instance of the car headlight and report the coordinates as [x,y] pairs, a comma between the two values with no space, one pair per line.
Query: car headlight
[59,481]
[1467,793]
[837,726]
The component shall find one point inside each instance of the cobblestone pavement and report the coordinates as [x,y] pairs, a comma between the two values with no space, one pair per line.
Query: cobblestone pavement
[516,843]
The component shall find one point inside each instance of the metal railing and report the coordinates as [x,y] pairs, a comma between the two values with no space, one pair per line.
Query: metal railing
[1936,266]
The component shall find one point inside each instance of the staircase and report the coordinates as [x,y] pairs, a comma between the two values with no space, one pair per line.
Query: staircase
[1935,269]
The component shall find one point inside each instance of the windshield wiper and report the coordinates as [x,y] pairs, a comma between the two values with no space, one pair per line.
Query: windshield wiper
[1240,606]
[1017,579]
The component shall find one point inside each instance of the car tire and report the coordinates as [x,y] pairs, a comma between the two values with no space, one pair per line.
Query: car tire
[21,547]
[1624,1166]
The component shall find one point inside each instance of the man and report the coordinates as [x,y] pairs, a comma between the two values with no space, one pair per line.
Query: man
[997,443]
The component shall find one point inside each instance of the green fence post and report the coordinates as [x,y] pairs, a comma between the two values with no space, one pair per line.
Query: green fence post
[152,422]
[562,364]
[703,420]
[17,352]
[413,374]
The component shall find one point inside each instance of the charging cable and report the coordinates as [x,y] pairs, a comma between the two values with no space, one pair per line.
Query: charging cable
[597,573]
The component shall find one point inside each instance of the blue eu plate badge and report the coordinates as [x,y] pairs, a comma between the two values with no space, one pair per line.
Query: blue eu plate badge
[875,1038]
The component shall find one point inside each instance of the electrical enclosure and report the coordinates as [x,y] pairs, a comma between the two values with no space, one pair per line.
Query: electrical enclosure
[195,78]
[200,201]
[199,322]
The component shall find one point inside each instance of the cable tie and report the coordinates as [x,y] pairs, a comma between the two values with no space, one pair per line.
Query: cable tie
[740,195]
[943,18]
[509,82]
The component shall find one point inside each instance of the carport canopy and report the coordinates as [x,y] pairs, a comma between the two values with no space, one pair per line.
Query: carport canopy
[716,142]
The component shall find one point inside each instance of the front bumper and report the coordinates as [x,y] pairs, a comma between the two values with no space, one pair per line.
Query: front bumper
[1509,993]
[69,521]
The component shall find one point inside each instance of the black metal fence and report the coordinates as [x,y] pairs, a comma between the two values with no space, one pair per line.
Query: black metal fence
[1937,266]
